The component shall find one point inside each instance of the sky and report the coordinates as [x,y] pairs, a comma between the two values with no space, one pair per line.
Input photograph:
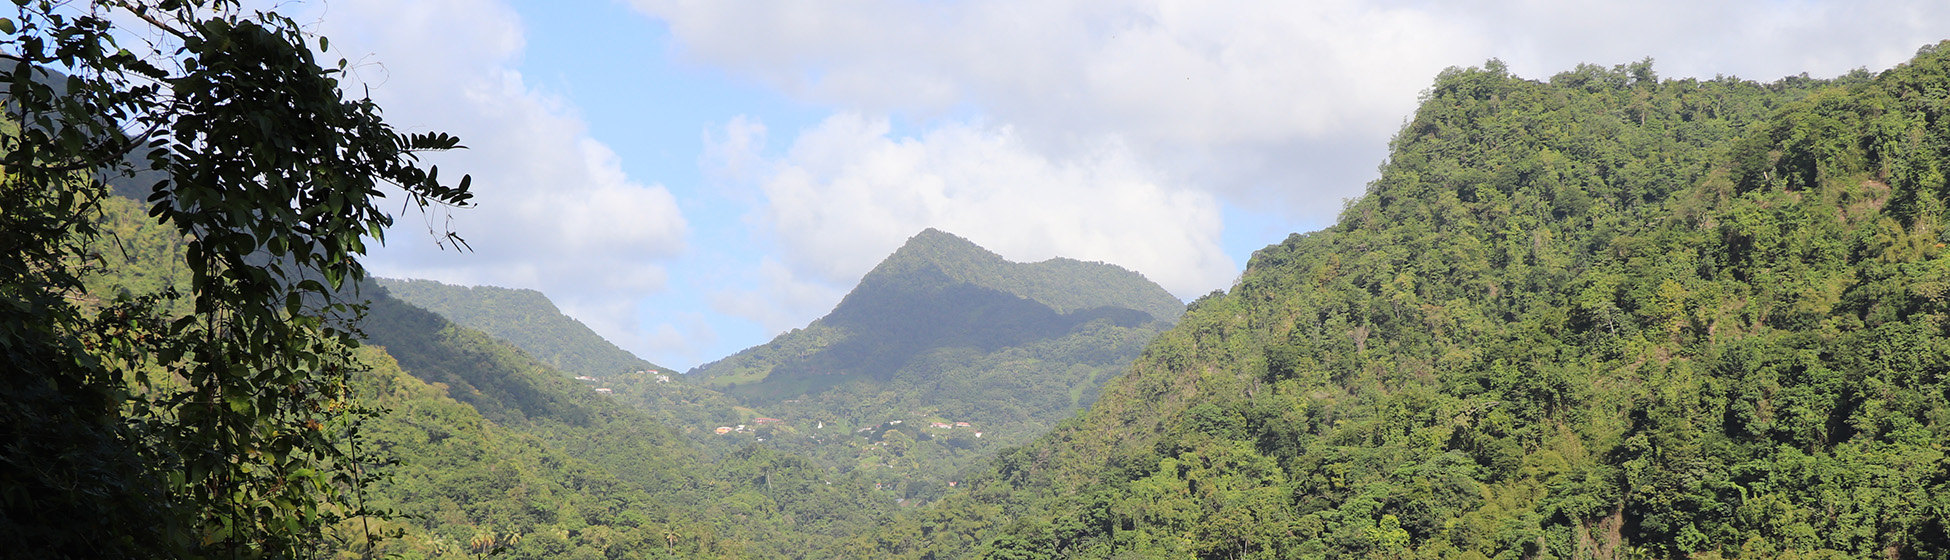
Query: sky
[693,177]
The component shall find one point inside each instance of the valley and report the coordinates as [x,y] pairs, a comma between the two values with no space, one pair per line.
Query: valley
[943,355]
[1597,315]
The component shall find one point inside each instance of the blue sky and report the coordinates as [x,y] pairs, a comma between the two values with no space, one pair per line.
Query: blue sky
[692,177]
[656,109]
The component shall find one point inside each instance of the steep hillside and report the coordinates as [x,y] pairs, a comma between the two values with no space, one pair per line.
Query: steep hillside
[941,332]
[511,389]
[460,485]
[1601,316]
[478,449]
[579,478]
[526,318]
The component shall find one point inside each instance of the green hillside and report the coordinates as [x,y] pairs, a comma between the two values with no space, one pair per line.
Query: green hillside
[526,318]
[463,486]
[478,449]
[942,331]
[485,442]
[1599,316]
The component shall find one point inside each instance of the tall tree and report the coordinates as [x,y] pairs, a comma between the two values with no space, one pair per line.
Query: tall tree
[128,431]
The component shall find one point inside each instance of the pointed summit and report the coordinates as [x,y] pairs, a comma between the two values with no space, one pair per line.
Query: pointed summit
[940,250]
[941,296]
[1065,285]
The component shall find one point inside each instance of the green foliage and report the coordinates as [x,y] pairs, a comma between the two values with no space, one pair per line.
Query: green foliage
[526,318]
[509,388]
[1601,316]
[942,331]
[627,475]
[201,417]
[478,449]
[462,486]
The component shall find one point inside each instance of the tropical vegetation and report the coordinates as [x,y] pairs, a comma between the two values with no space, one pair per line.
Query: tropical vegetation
[1603,315]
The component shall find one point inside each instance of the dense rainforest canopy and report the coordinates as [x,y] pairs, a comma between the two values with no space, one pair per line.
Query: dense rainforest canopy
[1599,316]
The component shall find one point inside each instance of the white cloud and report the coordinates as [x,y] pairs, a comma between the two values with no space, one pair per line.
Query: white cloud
[555,210]
[1110,129]
[1096,129]
[1261,101]
[847,193]
[682,338]
[782,302]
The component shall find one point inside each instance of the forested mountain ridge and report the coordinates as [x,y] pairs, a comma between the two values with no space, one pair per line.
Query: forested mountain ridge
[478,449]
[1599,316]
[942,354]
[940,291]
[526,318]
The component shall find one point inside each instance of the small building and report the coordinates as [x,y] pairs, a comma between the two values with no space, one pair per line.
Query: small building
[941,425]
[663,379]
[604,390]
[962,424]
[584,378]
[722,430]
[978,434]
[767,421]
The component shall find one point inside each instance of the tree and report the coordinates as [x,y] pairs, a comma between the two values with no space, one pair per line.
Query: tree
[126,431]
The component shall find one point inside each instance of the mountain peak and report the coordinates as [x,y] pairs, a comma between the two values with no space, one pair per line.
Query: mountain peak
[936,244]
[1065,285]
[951,254]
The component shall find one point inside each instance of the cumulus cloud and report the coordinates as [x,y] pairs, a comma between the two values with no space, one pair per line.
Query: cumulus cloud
[1112,129]
[847,193]
[681,337]
[1265,101]
[1249,101]
[555,210]
[784,300]
[1755,39]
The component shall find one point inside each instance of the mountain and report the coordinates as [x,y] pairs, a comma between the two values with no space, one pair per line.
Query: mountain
[1064,285]
[423,315]
[1599,316]
[526,318]
[484,441]
[941,332]
[939,292]
[476,448]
